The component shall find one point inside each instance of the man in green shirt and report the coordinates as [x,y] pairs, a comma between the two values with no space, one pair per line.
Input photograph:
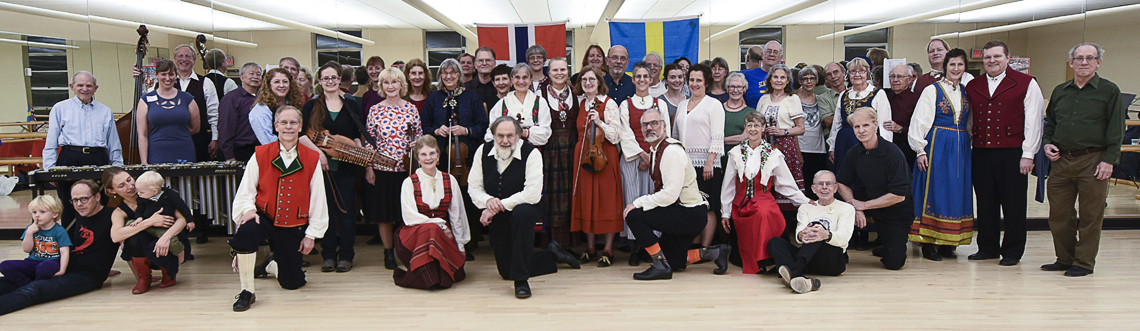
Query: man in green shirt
[1084,125]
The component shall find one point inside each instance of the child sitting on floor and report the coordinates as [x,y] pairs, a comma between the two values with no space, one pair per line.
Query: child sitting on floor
[46,242]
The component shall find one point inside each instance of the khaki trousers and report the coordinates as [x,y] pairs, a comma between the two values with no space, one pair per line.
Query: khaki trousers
[1076,231]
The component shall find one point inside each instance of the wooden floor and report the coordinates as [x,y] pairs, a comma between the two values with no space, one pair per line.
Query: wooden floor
[926,295]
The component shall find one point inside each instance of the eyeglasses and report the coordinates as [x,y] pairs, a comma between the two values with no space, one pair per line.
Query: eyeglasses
[619,58]
[81,200]
[1085,59]
[858,72]
[899,76]
[485,61]
[289,123]
[734,88]
[330,79]
[589,79]
[536,57]
[808,79]
[824,183]
[653,123]
[773,52]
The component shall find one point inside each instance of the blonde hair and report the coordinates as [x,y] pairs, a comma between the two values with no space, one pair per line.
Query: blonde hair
[46,202]
[150,179]
[393,73]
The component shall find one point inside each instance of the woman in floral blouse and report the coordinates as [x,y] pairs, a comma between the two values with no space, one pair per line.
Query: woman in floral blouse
[394,123]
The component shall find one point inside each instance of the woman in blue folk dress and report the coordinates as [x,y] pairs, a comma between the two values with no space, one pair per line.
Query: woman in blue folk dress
[944,209]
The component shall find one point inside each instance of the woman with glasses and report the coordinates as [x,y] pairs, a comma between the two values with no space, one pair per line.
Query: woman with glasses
[719,72]
[595,208]
[394,124]
[861,94]
[419,82]
[332,112]
[735,109]
[536,58]
[529,107]
[815,111]
[754,174]
[167,118]
[635,159]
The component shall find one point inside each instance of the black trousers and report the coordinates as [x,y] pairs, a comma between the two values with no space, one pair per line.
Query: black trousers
[1000,188]
[341,195]
[13,298]
[512,240]
[63,191]
[284,242]
[817,258]
[679,225]
[142,245]
[893,236]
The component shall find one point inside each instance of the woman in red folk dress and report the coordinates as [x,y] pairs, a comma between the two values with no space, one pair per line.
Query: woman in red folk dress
[435,224]
[597,198]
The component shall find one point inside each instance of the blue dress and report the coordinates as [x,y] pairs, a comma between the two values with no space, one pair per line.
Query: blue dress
[845,138]
[943,194]
[168,122]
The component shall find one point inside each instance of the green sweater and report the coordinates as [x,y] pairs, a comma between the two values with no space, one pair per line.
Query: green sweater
[1079,118]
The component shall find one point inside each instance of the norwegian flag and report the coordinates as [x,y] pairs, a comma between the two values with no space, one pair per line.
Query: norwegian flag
[510,41]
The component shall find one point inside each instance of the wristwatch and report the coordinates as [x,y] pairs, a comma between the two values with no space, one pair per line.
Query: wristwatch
[785,132]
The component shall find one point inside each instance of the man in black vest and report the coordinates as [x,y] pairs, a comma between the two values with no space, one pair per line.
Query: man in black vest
[216,67]
[508,189]
[206,95]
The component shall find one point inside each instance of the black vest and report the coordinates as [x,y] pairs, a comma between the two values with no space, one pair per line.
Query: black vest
[219,83]
[512,180]
[202,138]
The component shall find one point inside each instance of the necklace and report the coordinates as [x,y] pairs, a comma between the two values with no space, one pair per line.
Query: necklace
[737,107]
[561,96]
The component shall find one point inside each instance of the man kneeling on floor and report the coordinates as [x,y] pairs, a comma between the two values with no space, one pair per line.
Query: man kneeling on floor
[283,190]
[821,238]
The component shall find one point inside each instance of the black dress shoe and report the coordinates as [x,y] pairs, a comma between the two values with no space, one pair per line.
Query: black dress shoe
[202,239]
[634,255]
[722,259]
[244,299]
[1008,262]
[605,259]
[1077,271]
[947,251]
[562,256]
[470,257]
[654,273]
[343,266]
[982,256]
[328,266]
[1056,266]
[930,253]
[189,257]
[389,259]
[522,291]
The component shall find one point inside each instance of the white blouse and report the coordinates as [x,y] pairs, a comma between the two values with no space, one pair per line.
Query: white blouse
[881,104]
[629,145]
[927,109]
[612,121]
[538,133]
[737,170]
[431,191]
[785,112]
[702,129]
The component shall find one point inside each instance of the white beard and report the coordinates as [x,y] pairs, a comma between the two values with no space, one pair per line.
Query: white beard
[503,154]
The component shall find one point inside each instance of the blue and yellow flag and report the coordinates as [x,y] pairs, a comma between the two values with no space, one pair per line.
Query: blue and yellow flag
[672,38]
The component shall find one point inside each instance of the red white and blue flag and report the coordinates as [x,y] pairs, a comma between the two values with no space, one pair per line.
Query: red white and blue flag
[510,41]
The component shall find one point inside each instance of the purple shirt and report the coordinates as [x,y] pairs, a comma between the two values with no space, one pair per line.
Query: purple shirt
[233,121]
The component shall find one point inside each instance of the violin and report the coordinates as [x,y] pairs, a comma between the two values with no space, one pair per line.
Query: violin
[457,155]
[592,157]
[125,125]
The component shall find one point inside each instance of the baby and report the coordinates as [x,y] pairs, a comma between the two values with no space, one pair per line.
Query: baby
[155,198]
[46,242]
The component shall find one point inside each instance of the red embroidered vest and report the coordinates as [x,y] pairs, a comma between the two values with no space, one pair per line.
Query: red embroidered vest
[999,120]
[283,194]
[635,122]
[444,203]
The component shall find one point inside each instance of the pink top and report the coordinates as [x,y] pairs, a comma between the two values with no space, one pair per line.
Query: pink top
[387,126]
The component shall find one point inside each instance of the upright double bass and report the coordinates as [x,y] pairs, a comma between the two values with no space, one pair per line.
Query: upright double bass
[126,125]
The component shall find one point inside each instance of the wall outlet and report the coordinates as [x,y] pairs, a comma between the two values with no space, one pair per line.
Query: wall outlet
[28,72]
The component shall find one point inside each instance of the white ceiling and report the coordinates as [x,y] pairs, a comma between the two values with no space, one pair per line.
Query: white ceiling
[351,14]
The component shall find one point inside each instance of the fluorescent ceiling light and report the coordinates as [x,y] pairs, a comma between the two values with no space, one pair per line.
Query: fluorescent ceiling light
[1042,22]
[435,14]
[37,44]
[915,18]
[111,21]
[792,8]
[220,6]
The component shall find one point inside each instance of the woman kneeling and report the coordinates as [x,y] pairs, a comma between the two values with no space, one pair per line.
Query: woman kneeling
[431,242]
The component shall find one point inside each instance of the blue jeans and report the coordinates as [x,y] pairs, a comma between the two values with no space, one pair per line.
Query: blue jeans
[13,298]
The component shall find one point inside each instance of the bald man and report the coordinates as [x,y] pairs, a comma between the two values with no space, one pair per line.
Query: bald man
[752,60]
[620,85]
[772,55]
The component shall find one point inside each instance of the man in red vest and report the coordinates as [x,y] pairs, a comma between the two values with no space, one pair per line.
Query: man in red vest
[1008,110]
[282,191]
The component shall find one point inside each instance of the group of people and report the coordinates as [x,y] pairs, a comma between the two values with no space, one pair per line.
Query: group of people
[688,163]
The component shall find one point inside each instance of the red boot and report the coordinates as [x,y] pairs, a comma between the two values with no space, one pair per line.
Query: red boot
[141,267]
[167,279]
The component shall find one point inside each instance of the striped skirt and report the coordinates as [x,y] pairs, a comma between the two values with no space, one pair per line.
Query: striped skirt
[634,184]
[433,259]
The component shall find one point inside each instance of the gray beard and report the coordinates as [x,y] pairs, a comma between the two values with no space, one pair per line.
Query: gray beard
[503,154]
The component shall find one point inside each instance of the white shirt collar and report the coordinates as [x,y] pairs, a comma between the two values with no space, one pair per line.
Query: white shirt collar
[998,78]
[288,156]
[516,150]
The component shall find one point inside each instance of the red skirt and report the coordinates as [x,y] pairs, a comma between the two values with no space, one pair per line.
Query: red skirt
[756,222]
[433,259]
[790,146]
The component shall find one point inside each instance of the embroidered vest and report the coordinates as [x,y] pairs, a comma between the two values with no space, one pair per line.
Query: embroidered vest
[999,120]
[283,192]
[439,211]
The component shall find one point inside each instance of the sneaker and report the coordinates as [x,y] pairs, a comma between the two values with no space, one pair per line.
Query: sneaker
[785,275]
[804,285]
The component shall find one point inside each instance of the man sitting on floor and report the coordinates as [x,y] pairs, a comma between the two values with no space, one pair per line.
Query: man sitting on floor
[821,238]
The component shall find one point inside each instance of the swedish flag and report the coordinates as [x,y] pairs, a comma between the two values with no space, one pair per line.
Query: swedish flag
[671,38]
